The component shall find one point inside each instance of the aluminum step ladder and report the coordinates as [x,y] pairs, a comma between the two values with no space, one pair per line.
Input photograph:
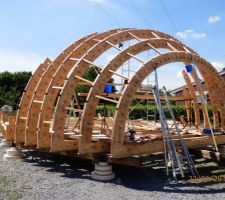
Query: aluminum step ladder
[182,146]
[172,158]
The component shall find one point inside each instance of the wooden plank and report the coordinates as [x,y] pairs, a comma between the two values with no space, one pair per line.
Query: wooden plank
[37,101]
[134,57]
[83,79]
[171,46]
[57,87]
[74,109]
[215,156]
[118,74]
[107,99]
[131,149]
[150,97]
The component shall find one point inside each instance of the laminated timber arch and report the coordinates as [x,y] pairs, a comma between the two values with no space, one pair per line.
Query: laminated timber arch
[118,148]
[57,142]
[26,100]
[55,86]
[100,82]
[34,96]
[40,91]
[58,80]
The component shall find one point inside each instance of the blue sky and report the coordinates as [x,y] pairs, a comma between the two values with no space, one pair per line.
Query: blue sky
[34,30]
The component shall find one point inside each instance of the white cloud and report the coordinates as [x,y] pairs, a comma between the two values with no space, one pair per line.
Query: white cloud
[218,65]
[189,33]
[213,19]
[19,61]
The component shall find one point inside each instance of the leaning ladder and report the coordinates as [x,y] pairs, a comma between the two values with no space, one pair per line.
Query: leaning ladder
[183,147]
[171,155]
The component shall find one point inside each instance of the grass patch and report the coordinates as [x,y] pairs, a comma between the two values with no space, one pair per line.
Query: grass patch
[8,190]
[210,169]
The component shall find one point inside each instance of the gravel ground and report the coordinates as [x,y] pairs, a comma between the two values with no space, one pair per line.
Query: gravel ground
[66,179]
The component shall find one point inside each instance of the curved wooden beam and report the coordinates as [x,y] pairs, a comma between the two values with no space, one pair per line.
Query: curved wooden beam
[187,96]
[38,95]
[193,96]
[129,91]
[79,69]
[25,101]
[55,85]
[199,89]
[106,73]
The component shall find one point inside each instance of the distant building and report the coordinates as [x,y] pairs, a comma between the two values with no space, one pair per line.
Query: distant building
[178,91]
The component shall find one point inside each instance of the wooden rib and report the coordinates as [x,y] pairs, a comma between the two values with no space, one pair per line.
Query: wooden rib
[20,125]
[47,108]
[193,96]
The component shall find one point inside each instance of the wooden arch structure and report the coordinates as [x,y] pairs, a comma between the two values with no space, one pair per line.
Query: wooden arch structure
[43,108]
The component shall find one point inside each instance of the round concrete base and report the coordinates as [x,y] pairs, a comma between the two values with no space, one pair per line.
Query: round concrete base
[11,153]
[103,172]
[4,143]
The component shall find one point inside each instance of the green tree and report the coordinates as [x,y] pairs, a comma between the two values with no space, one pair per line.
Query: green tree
[12,86]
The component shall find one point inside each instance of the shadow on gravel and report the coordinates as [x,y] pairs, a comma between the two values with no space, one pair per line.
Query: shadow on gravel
[148,178]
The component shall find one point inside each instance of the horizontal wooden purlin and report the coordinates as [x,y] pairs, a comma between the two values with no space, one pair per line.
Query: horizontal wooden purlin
[83,79]
[57,87]
[76,59]
[74,109]
[186,49]
[137,38]
[112,45]
[47,122]
[171,46]
[114,84]
[118,74]
[24,118]
[91,63]
[153,33]
[131,149]
[157,51]
[150,97]
[37,101]
[134,57]
[96,40]
[107,99]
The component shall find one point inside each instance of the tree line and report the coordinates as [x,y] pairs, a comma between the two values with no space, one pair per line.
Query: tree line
[12,85]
